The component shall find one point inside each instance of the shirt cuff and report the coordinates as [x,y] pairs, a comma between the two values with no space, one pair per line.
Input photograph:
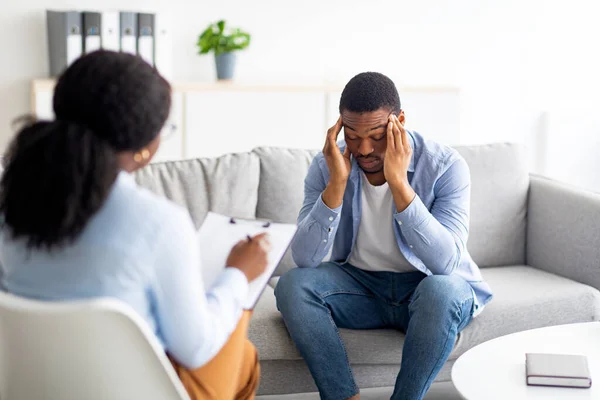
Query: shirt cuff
[477,308]
[325,216]
[413,215]
[236,281]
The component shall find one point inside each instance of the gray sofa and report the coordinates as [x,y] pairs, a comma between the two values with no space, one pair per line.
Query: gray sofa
[536,241]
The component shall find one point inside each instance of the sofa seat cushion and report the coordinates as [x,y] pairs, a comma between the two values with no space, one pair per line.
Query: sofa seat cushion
[529,298]
[525,298]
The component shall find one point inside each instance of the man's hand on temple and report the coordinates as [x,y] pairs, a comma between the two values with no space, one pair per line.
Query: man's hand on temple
[397,160]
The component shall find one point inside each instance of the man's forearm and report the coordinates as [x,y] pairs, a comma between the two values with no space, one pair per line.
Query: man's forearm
[439,243]
[437,233]
[403,195]
[333,195]
[437,246]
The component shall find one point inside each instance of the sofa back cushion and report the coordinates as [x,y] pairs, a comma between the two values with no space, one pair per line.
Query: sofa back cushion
[499,191]
[230,185]
[500,182]
[281,188]
[226,185]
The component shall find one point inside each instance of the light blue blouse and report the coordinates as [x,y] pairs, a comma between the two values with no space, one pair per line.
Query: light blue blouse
[141,249]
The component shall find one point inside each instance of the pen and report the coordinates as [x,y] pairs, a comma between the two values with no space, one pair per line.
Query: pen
[249,238]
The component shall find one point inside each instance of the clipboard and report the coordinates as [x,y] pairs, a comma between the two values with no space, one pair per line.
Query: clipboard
[219,233]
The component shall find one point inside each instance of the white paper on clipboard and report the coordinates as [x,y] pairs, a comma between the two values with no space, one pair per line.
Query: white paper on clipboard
[218,234]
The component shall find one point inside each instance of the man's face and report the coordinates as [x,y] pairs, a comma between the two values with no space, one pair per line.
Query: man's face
[366,137]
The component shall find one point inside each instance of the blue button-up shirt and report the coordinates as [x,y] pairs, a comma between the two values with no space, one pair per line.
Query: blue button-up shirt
[431,232]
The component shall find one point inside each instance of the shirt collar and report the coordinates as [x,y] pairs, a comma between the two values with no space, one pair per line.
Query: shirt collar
[411,139]
[125,178]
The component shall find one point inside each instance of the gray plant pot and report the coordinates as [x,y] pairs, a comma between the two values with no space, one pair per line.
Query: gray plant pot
[225,65]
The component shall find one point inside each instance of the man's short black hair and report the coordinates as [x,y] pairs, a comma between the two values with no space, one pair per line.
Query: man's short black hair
[370,91]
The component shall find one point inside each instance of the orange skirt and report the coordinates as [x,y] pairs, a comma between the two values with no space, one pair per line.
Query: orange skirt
[232,374]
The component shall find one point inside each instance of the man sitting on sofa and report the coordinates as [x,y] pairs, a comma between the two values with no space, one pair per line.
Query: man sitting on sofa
[393,208]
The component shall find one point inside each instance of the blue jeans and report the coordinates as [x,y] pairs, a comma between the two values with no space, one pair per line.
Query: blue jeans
[431,310]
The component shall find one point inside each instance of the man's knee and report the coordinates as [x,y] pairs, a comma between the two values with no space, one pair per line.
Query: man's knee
[443,291]
[292,288]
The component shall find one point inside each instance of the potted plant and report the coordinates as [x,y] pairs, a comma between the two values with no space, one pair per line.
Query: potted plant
[223,41]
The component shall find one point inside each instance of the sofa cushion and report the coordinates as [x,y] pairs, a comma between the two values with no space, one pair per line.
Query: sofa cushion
[528,298]
[524,298]
[499,188]
[281,188]
[226,185]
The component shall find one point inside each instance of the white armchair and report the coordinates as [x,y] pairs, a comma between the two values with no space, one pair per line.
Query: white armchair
[98,349]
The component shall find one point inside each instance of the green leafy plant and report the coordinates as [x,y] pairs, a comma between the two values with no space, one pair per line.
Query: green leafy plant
[221,39]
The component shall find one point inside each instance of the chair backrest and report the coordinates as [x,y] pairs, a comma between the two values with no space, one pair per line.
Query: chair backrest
[93,349]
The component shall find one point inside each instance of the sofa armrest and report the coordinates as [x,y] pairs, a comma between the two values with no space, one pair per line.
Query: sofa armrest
[563,231]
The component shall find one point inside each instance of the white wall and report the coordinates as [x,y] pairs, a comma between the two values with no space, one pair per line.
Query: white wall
[512,59]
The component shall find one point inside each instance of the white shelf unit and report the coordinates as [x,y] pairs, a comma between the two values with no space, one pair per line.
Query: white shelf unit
[212,119]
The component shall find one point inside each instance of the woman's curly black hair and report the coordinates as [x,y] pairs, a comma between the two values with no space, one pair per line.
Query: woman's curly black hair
[59,173]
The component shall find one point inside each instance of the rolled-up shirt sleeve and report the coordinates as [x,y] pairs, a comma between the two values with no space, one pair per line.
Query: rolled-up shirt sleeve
[439,237]
[317,223]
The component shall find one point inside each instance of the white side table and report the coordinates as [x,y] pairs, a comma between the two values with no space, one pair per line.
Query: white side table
[496,369]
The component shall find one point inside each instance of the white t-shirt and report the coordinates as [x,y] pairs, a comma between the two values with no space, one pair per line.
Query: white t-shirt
[376,248]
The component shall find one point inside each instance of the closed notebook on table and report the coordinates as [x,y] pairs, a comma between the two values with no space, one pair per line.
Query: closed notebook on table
[561,370]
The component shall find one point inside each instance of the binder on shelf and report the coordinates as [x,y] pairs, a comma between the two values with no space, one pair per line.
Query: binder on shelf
[92,39]
[110,30]
[163,45]
[128,32]
[145,37]
[65,43]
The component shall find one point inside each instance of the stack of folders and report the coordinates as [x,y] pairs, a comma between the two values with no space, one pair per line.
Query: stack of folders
[561,370]
[73,33]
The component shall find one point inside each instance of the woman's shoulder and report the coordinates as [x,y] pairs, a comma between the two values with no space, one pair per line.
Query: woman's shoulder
[145,204]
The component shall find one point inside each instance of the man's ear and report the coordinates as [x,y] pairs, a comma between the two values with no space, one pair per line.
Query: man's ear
[402,117]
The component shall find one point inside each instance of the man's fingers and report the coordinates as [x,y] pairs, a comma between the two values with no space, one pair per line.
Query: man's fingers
[347,152]
[391,143]
[397,134]
[334,131]
[403,135]
[338,124]
[332,134]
